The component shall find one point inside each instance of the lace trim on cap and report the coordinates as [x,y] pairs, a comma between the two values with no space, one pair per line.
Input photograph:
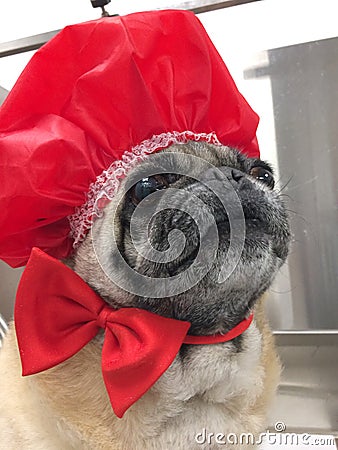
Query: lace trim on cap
[105,186]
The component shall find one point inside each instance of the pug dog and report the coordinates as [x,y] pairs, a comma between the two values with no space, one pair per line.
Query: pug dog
[209,391]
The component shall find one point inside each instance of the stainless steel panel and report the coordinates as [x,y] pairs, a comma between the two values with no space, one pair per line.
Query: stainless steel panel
[307,398]
[3,94]
[9,279]
[305,97]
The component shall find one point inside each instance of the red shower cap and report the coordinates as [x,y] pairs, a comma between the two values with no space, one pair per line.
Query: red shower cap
[91,103]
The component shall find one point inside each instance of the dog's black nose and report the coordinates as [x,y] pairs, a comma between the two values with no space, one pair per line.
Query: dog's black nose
[223,174]
[234,174]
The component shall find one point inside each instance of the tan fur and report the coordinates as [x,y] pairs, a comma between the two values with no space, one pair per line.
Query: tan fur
[68,408]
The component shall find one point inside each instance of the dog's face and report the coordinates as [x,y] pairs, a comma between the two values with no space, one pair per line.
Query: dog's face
[195,233]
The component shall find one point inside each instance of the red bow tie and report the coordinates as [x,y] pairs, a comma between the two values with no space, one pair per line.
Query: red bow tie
[57,314]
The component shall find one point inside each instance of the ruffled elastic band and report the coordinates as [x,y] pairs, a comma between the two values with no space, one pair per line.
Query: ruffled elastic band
[105,186]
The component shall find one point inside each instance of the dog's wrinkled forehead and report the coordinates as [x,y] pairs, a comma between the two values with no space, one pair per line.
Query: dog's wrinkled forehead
[189,162]
[189,159]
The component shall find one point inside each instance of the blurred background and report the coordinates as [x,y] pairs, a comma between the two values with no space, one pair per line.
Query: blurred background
[283,55]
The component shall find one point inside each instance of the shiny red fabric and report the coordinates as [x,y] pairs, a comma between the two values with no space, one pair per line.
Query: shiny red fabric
[93,92]
[218,338]
[57,314]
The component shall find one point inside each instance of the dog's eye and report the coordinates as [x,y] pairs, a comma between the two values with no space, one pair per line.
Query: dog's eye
[263,175]
[147,186]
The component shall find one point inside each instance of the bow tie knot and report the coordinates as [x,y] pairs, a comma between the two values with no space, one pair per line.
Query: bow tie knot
[103,316]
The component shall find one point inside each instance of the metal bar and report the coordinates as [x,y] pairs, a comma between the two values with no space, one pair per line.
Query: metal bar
[220,5]
[306,338]
[25,44]
[34,42]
